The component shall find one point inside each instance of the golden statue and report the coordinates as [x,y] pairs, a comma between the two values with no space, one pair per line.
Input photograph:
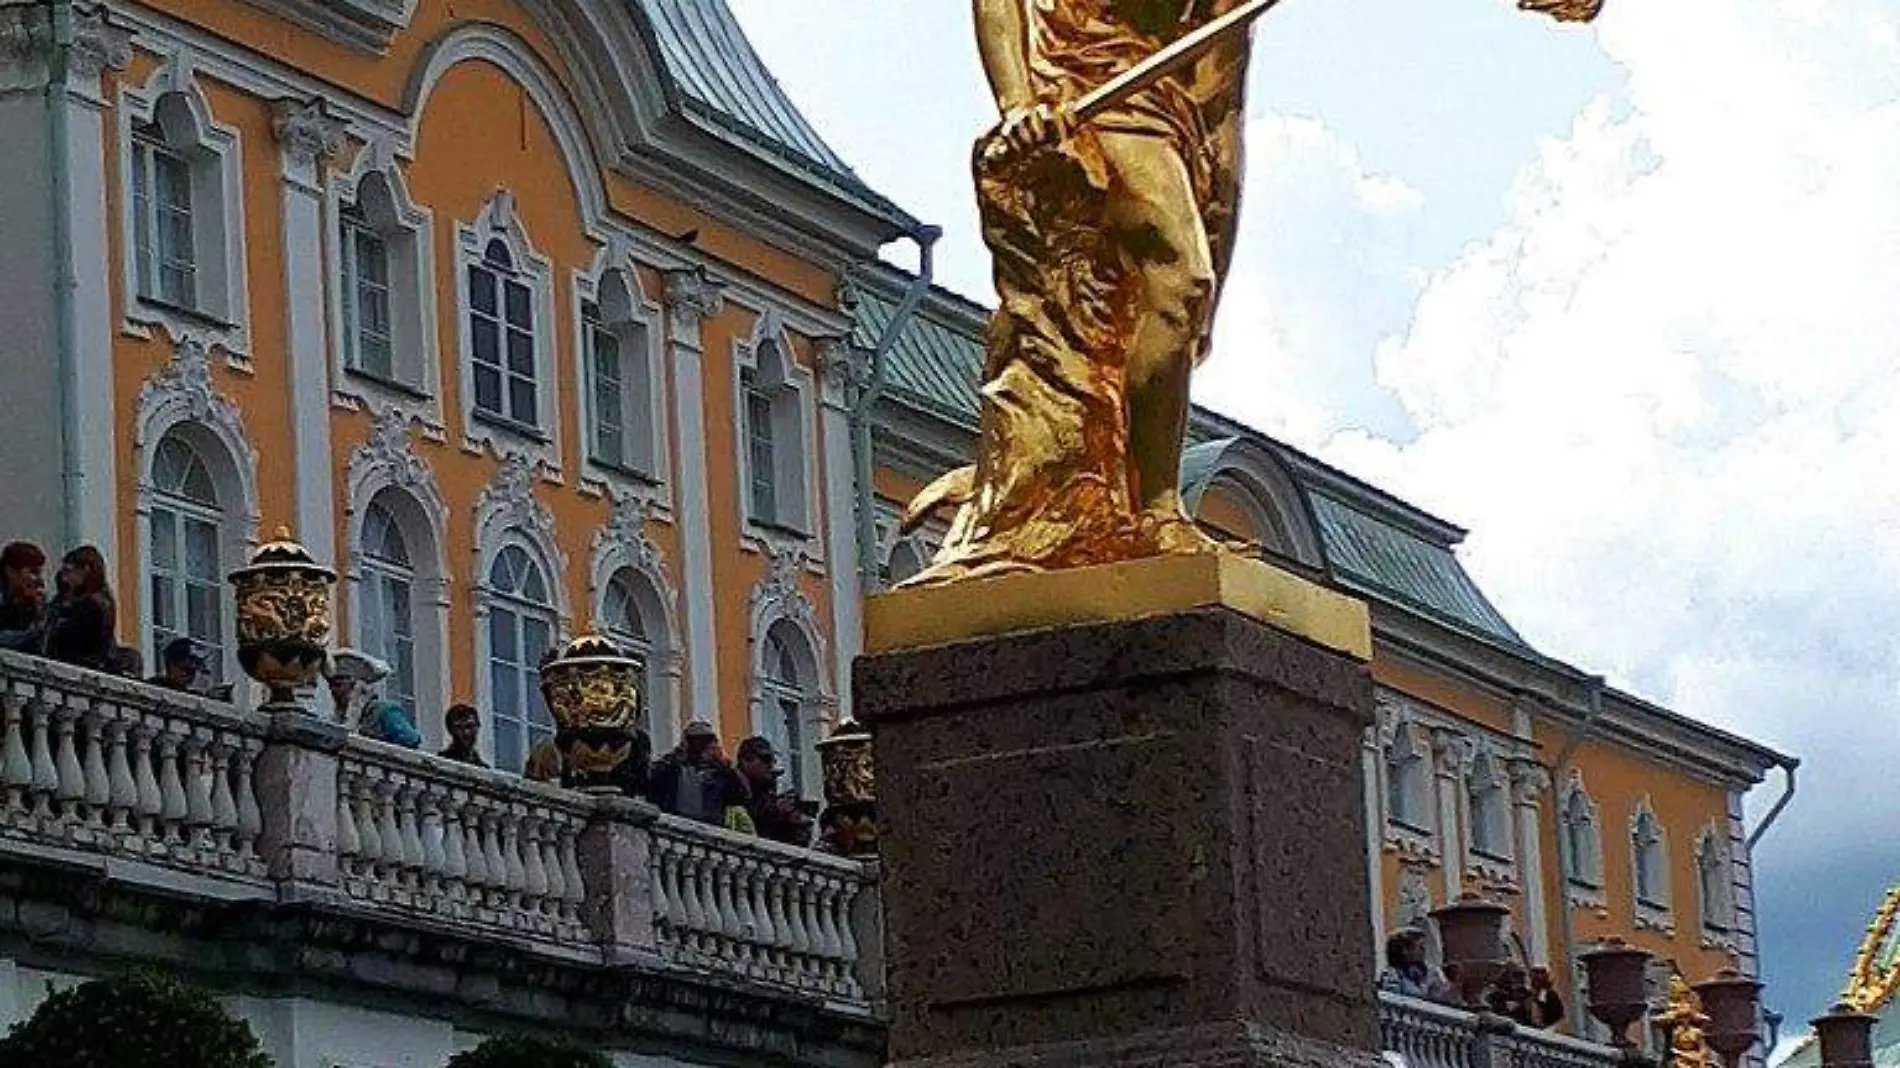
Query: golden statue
[1110,195]
[1687,1026]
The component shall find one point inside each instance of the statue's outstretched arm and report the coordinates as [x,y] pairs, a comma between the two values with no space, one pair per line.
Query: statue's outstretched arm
[1002,37]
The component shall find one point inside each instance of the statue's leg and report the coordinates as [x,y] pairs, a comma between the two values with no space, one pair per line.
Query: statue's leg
[1155,212]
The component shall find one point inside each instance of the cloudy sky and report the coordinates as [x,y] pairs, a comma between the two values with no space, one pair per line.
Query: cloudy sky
[1623,300]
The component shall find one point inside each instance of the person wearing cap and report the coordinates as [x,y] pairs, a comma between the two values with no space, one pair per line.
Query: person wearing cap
[182,664]
[695,781]
[353,677]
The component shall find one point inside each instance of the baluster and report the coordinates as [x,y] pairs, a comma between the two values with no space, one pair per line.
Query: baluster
[826,947]
[491,825]
[16,767]
[744,872]
[784,942]
[349,843]
[534,875]
[804,940]
[98,781]
[122,795]
[367,829]
[576,896]
[551,867]
[223,805]
[197,789]
[408,808]
[847,893]
[151,803]
[72,777]
[475,851]
[170,786]
[434,854]
[250,818]
[771,956]
[665,894]
[692,896]
[389,860]
[516,872]
[45,772]
[455,871]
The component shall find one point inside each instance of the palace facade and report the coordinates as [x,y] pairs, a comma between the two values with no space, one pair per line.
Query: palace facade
[534,317]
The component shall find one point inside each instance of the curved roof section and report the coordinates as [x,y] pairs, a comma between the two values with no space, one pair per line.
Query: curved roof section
[718,77]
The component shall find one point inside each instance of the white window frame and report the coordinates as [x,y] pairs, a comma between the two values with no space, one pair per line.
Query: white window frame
[522,611]
[407,229]
[1586,870]
[1488,782]
[541,440]
[637,323]
[379,575]
[798,756]
[232,544]
[182,512]
[767,364]
[1408,830]
[218,312]
[1715,887]
[1652,910]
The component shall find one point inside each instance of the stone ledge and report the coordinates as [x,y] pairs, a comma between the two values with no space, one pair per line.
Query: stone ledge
[1213,1046]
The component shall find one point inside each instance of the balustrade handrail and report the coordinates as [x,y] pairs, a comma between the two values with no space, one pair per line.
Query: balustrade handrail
[1430,1035]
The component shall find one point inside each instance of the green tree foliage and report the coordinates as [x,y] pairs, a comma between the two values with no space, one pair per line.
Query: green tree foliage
[522,1051]
[134,1021]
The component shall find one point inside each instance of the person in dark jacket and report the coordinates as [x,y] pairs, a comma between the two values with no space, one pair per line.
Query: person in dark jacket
[22,596]
[1529,999]
[183,667]
[695,780]
[464,725]
[779,816]
[82,620]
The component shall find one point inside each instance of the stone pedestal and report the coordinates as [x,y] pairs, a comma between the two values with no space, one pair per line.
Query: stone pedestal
[1121,843]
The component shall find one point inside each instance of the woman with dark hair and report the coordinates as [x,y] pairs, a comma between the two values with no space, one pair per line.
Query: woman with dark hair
[82,620]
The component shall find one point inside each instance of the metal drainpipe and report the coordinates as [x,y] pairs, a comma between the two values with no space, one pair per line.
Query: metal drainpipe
[1592,709]
[926,237]
[65,281]
[1788,767]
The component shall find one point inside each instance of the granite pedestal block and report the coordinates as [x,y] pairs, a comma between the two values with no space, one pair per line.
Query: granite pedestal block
[1125,843]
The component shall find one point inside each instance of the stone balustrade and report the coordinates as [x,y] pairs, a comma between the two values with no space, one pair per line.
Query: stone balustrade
[768,912]
[130,772]
[291,808]
[1429,1035]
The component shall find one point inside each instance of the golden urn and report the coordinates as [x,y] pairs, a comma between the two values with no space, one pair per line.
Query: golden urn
[593,690]
[283,617]
[849,823]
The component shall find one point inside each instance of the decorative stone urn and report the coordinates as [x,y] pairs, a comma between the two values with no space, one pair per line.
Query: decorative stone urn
[593,690]
[848,825]
[1732,1002]
[1847,1037]
[1472,931]
[283,618]
[1618,974]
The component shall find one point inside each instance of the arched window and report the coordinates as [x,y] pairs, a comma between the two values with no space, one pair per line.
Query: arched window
[1580,839]
[181,173]
[1487,792]
[380,294]
[1408,780]
[908,557]
[620,615]
[622,414]
[520,629]
[787,695]
[1714,881]
[186,572]
[387,616]
[501,336]
[1650,858]
[772,419]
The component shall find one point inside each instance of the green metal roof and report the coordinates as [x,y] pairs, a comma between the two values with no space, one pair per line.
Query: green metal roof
[1380,547]
[718,77]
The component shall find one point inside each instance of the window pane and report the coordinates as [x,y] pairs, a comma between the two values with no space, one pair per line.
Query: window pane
[518,306]
[488,389]
[501,637]
[201,550]
[507,684]
[520,353]
[201,611]
[484,341]
[521,401]
[481,290]
[164,602]
[164,539]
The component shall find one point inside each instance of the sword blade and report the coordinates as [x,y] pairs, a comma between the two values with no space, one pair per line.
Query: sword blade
[1178,53]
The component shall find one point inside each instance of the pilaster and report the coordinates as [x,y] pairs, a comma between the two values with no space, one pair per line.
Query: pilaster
[842,367]
[1529,783]
[691,299]
[306,137]
[1371,757]
[1450,752]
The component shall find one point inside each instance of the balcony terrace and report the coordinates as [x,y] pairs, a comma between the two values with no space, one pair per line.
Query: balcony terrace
[281,853]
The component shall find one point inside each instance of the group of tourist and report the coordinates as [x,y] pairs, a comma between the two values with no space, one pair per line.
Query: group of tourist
[78,625]
[1526,996]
